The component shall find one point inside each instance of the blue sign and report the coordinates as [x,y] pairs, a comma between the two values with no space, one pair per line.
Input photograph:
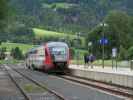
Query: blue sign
[103,41]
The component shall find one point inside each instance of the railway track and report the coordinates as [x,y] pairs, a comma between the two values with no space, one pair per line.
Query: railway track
[20,93]
[59,96]
[20,89]
[28,74]
[117,90]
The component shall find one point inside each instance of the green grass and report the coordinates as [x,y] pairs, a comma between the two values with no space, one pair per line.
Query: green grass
[44,5]
[31,88]
[9,46]
[108,63]
[13,61]
[80,53]
[81,62]
[64,5]
[39,33]
[59,5]
[97,62]
[44,33]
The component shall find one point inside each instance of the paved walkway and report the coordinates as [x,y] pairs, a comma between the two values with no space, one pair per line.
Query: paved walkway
[107,69]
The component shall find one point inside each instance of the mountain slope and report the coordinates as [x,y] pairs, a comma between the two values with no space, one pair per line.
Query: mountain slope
[67,16]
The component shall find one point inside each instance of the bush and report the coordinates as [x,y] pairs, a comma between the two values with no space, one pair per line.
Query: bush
[78,53]
[16,53]
[130,53]
[72,53]
[123,54]
[2,53]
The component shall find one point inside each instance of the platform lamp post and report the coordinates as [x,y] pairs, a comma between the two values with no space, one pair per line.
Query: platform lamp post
[103,25]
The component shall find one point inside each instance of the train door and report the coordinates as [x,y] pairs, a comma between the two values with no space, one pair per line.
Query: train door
[33,58]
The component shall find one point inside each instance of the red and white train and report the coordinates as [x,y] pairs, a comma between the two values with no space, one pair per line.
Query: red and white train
[52,56]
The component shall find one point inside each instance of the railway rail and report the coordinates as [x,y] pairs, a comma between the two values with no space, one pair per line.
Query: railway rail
[20,89]
[36,83]
[115,89]
[22,93]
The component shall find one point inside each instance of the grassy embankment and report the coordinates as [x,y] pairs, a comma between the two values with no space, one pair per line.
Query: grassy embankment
[59,5]
[10,46]
[39,33]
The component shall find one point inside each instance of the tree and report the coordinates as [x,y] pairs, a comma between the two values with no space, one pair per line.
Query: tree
[119,28]
[118,32]
[3,11]
[16,53]
[130,53]
[2,53]
[122,53]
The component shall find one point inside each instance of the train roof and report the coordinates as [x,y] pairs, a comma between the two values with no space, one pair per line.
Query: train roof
[57,44]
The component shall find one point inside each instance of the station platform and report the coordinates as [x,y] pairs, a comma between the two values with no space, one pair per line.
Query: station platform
[120,76]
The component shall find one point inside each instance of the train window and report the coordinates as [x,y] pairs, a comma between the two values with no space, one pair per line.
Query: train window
[41,52]
[58,50]
[34,52]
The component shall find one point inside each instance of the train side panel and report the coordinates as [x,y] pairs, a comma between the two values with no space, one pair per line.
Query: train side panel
[40,57]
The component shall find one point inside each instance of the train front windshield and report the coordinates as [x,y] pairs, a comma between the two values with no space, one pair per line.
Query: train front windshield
[58,50]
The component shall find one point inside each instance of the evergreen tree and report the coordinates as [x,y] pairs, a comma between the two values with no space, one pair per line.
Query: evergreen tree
[2,53]
[118,32]
[3,12]
[16,53]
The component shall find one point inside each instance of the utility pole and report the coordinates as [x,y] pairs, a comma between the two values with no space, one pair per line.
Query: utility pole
[77,46]
[103,42]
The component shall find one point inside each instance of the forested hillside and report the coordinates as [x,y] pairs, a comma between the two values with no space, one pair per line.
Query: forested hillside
[67,16]
[70,17]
